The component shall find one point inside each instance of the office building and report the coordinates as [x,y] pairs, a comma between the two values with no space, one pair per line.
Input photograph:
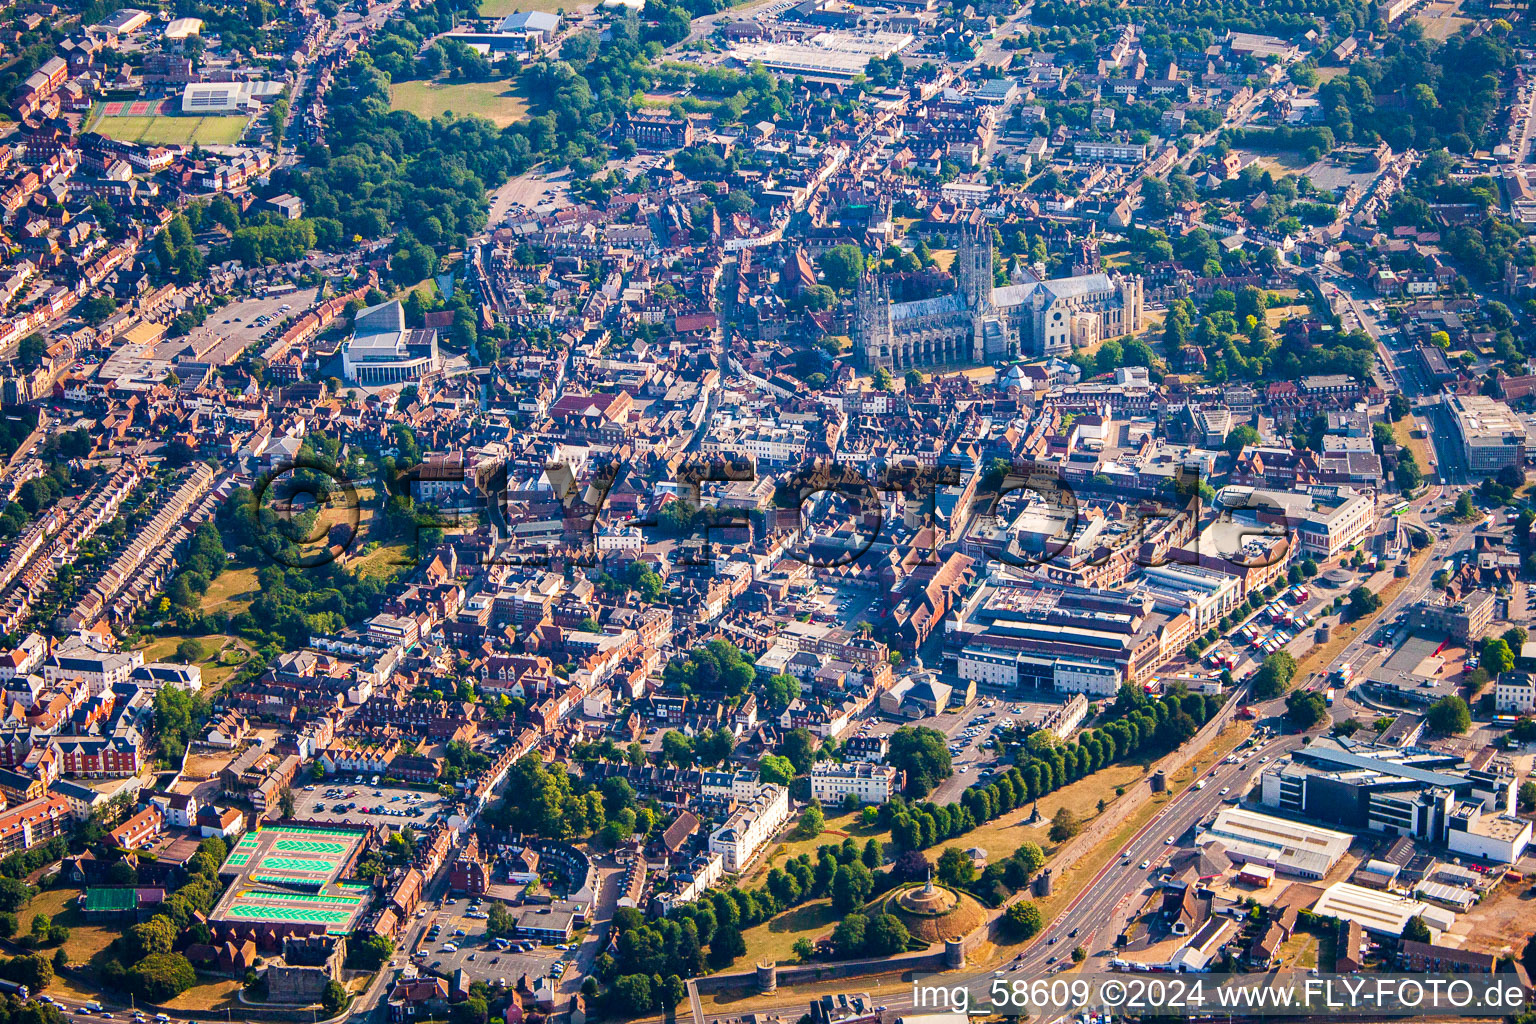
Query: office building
[1491,435]
[1388,790]
[1463,621]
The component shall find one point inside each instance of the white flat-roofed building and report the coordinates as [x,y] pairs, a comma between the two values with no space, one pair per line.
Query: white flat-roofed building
[538,24]
[750,826]
[1381,913]
[1287,846]
[215,98]
[1119,152]
[183,28]
[1501,838]
[124,22]
[831,783]
[826,54]
[1490,433]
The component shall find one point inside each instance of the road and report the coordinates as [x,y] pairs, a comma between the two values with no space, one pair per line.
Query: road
[1425,398]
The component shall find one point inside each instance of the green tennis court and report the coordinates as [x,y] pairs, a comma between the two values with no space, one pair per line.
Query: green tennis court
[111,900]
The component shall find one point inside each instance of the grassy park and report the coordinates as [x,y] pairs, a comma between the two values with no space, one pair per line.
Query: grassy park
[501,103]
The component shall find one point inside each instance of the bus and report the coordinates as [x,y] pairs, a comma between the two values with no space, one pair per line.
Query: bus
[1400,508]
[1328,697]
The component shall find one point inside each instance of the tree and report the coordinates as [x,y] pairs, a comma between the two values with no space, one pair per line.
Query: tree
[1464,511]
[1449,716]
[374,952]
[162,976]
[1363,601]
[913,379]
[848,937]
[726,945]
[1079,954]
[1416,930]
[841,266]
[189,650]
[1527,795]
[471,1011]
[799,747]
[881,378]
[804,950]
[886,935]
[851,886]
[285,802]
[157,935]
[335,997]
[1305,709]
[1515,637]
[1064,825]
[1498,658]
[1240,437]
[812,821]
[773,768]
[1273,676]
[1023,920]
[923,754]
[14,894]
[956,868]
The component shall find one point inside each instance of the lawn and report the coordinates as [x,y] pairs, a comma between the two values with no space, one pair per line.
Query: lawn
[838,827]
[1002,835]
[208,994]
[155,130]
[85,940]
[498,102]
[1411,436]
[232,592]
[775,939]
[216,669]
[1070,878]
[385,560]
[1277,315]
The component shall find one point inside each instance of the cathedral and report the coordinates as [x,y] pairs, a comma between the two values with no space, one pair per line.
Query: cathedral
[979,323]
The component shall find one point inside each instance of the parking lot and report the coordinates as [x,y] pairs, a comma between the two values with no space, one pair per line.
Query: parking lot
[360,802]
[244,322]
[969,730]
[474,952]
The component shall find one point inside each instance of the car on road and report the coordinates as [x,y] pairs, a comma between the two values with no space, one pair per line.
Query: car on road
[1145,864]
[1225,790]
[1168,841]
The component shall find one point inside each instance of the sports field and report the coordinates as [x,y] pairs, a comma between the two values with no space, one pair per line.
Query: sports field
[502,8]
[287,874]
[159,123]
[498,102]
